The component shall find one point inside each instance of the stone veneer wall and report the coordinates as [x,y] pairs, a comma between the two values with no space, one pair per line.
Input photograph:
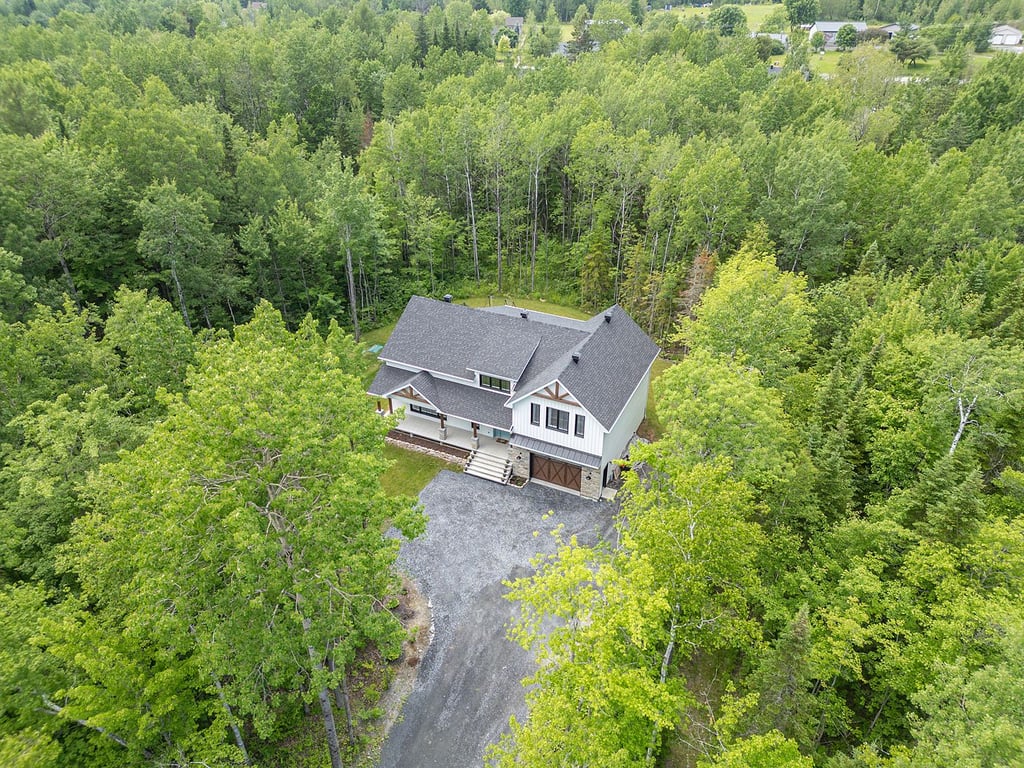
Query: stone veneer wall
[520,462]
[590,489]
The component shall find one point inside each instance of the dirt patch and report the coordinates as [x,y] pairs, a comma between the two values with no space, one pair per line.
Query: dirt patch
[414,611]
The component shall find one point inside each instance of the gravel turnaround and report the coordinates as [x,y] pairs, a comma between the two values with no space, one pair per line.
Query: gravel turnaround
[479,534]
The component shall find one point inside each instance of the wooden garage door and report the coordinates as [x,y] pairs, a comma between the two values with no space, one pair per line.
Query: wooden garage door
[556,472]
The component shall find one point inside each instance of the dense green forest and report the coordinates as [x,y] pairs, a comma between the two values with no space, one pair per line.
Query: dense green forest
[822,559]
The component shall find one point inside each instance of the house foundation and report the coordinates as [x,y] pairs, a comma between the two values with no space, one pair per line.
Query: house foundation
[520,462]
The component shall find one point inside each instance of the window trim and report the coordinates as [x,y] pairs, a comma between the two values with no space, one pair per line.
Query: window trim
[558,414]
[495,383]
[581,425]
[535,414]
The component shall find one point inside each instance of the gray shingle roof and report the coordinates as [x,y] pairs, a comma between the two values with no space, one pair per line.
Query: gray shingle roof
[613,358]
[835,26]
[533,445]
[449,398]
[455,340]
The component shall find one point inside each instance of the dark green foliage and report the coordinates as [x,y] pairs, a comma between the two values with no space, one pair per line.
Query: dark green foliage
[166,165]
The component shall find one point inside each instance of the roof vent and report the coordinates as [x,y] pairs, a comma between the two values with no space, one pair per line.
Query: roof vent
[607,317]
[447,298]
[522,315]
[575,357]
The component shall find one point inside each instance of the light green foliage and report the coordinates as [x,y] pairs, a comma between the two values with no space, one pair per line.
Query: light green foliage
[26,732]
[246,530]
[598,693]
[152,343]
[54,353]
[972,716]
[607,685]
[40,480]
[755,314]
[770,750]
[712,407]
[350,229]
[15,293]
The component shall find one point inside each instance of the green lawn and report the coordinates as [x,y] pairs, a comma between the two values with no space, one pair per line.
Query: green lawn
[755,14]
[827,63]
[533,305]
[411,471]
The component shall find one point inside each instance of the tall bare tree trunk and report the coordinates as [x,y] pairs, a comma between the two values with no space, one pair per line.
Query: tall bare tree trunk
[665,661]
[351,282]
[181,295]
[533,236]
[342,699]
[472,223]
[239,742]
[326,709]
[497,206]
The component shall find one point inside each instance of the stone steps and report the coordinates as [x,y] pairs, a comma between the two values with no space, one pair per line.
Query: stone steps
[497,469]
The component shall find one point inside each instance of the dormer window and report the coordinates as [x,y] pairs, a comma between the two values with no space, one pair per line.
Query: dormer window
[493,382]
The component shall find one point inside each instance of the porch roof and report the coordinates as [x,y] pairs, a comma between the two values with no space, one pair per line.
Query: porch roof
[459,400]
[533,445]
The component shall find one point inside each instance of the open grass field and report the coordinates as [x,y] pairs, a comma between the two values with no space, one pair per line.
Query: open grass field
[828,63]
[755,14]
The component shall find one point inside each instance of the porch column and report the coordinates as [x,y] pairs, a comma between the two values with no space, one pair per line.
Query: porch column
[476,438]
[444,427]
[391,407]
[379,409]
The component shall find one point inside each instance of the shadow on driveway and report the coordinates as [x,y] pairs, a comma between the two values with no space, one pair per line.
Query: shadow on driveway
[479,535]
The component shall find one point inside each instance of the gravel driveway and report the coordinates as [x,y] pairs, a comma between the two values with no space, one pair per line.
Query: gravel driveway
[479,534]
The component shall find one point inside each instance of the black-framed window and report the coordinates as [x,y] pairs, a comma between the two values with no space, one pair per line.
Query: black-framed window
[493,382]
[424,411]
[535,414]
[581,423]
[558,420]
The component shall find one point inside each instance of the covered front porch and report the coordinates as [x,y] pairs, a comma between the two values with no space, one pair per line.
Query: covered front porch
[429,428]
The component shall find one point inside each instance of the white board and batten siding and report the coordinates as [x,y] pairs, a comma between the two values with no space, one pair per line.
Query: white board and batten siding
[593,438]
[629,420]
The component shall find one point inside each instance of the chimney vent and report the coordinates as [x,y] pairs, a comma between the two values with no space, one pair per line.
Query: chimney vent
[447,298]
[575,357]
[522,315]
[607,317]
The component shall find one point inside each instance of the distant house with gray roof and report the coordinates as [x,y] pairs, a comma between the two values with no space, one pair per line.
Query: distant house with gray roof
[547,398]
[1007,38]
[829,30]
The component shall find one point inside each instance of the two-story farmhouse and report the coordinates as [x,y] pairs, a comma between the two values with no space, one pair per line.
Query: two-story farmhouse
[544,397]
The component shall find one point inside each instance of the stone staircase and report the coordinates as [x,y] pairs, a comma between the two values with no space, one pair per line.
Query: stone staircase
[497,469]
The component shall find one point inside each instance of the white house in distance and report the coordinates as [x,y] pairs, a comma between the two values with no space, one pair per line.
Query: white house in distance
[1007,38]
[547,398]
